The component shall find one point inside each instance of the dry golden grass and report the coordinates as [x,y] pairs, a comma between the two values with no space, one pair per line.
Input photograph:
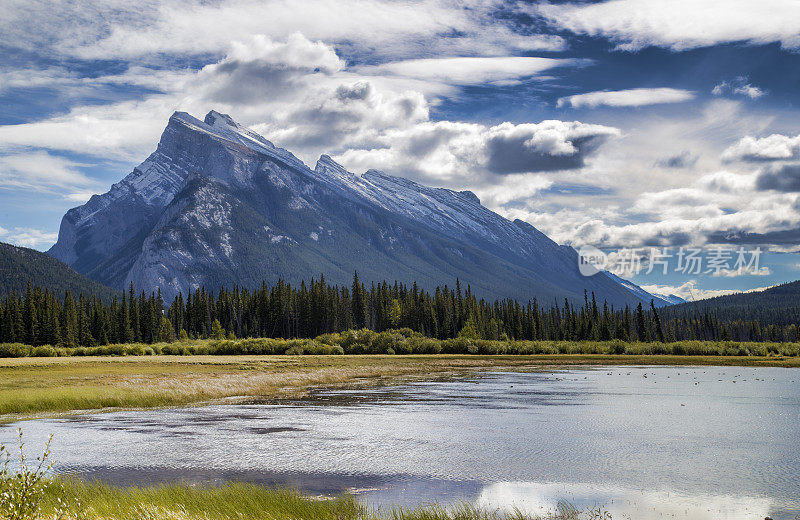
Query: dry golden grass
[35,386]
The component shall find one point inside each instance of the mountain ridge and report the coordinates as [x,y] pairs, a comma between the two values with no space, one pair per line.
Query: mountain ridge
[217,204]
[20,265]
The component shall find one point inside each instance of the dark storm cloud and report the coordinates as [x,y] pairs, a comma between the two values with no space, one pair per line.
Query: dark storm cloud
[512,154]
[241,83]
[685,159]
[784,177]
[786,237]
[665,239]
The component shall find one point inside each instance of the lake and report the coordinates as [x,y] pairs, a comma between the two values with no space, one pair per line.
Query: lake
[641,442]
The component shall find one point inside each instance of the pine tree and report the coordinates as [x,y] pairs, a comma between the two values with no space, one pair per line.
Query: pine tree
[657,321]
[358,304]
[641,327]
[217,332]
[166,334]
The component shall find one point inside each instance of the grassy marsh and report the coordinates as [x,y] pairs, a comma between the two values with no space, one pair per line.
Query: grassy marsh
[31,386]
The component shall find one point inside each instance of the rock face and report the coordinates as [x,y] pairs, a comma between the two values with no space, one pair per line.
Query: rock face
[217,204]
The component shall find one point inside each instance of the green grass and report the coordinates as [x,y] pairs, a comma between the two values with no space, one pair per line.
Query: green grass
[183,502]
[98,501]
[31,386]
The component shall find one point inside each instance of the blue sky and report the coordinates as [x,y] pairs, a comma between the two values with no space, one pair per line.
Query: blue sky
[616,124]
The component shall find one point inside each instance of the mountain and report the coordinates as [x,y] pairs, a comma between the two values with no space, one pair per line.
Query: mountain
[18,265]
[671,299]
[778,305]
[659,299]
[218,204]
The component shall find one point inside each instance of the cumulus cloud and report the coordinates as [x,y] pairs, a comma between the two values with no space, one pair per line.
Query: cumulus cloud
[446,150]
[688,216]
[634,97]
[294,90]
[546,146]
[260,68]
[738,86]
[775,147]
[679,24]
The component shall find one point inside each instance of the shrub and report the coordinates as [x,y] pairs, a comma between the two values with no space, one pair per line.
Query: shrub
[14,350]
[44,351]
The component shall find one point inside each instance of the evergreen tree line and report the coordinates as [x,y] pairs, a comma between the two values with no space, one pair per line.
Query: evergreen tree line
[40,317]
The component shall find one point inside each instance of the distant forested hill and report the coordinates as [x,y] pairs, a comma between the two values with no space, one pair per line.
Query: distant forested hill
[779,305]
[18,265]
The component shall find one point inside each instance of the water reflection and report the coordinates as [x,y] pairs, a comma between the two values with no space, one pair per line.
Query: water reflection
[543,498]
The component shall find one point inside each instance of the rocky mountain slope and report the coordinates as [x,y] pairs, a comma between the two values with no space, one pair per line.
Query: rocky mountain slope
[217,204]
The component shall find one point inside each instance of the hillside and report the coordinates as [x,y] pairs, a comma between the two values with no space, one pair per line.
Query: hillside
[779,305]
[18,265]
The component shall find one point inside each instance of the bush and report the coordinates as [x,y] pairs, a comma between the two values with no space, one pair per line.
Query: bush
[14,350]
[23,490]
[44,351]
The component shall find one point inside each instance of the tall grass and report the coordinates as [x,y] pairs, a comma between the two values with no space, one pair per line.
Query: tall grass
[231,501]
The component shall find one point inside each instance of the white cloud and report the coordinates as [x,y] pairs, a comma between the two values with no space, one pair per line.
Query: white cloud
[680,24]
[738,86]
[298,91]
[691,215]
[749,91]
[770,148]
[154,29]
[40,170]
[469,152]
[471,70]
[28,237]
[634,97]
[297,51]
[728,273]
[79,197]
[300,94]
[689,291]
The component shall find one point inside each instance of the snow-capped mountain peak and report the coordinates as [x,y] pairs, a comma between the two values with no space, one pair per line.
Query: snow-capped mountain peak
[218,204]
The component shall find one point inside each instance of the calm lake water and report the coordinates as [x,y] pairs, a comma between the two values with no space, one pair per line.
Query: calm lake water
[642,442]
